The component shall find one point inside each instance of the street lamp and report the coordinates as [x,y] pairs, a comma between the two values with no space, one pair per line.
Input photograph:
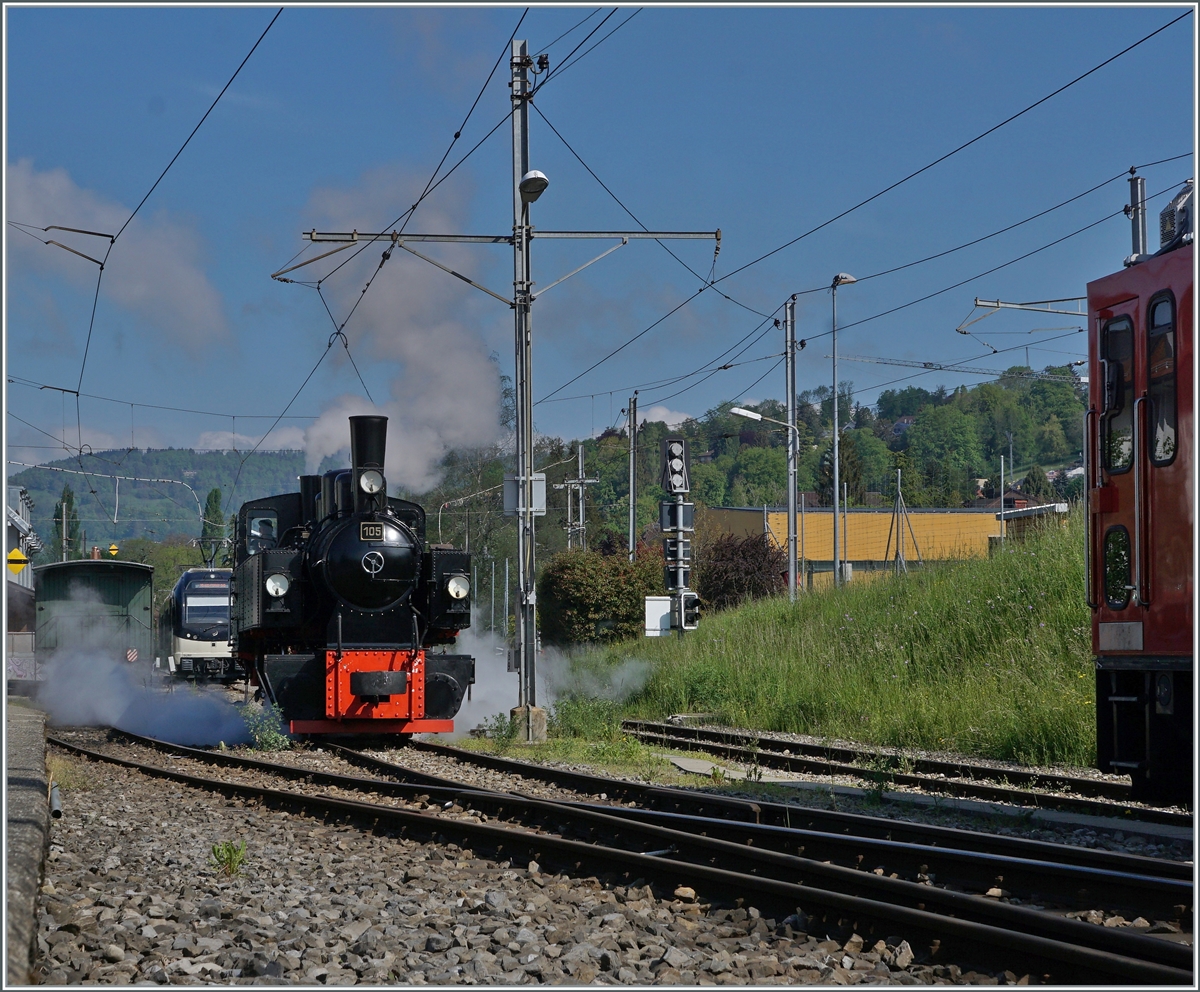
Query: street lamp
[841,279]
[738,411]
[533,184]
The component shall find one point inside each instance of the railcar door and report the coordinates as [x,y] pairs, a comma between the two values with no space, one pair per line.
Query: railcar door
[1117,538]
[1116,502]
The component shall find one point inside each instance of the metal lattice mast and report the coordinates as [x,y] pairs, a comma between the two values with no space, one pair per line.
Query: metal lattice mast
[526,594]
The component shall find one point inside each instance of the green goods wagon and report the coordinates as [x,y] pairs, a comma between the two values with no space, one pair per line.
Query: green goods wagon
[101,607]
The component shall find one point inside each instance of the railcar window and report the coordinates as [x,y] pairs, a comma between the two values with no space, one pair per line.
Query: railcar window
[264,532]
[1118,414]
[1116,568]
[1161,339]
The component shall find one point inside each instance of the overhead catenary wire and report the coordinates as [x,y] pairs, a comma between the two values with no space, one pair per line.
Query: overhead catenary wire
[962,147]
[903,306]
[32,383]
[578,25]
[885,190]
[637,220]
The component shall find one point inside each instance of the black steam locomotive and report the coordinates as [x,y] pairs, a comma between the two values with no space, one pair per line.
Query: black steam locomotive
[339,607]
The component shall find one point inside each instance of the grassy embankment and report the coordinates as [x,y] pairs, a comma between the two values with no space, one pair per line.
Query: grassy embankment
[987,657]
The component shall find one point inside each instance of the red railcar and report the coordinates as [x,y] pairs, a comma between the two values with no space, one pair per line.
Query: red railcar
[1140,473]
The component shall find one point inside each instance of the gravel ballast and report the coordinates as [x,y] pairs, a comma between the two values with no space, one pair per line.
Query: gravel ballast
[131,895]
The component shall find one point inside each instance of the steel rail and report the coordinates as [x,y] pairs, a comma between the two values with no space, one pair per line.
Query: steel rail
[966,790]
[945,933]
[784,814]
[851,755]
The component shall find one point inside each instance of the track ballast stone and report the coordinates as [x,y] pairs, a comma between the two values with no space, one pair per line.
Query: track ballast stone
[131,896]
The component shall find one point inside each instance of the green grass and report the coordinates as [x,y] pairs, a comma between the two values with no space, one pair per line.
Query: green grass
[987,657]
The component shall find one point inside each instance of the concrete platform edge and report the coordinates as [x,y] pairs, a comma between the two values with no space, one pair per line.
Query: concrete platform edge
[27,834]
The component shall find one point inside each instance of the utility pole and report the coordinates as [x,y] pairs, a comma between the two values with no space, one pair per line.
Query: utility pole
[576,532]
[528,185]
[789,351]
[633,475]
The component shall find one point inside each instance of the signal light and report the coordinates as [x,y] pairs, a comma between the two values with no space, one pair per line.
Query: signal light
[685,611]
[675,461]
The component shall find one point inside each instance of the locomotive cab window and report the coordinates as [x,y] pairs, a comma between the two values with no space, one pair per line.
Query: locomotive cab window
[1118,394]
[1116,568]
[264,533]
[1161,373]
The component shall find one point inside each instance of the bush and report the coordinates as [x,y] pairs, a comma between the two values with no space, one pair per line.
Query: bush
[266,728]
[732,570]
[584,596]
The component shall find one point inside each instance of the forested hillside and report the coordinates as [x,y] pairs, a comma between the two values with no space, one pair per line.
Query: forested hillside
[948,442]
[151,510]
[943,442]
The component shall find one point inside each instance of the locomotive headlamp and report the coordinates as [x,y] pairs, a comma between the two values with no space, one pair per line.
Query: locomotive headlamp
[277,585]
[458,586]
[371,482]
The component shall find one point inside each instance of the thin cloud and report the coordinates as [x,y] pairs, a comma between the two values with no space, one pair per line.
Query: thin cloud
[155,270]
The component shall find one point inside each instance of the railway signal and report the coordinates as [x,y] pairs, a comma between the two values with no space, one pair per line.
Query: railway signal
[112,550]
[677,518]
[675,462]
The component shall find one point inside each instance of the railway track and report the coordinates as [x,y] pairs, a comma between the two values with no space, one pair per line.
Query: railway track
[832,822]
[1095,797]
[728,856]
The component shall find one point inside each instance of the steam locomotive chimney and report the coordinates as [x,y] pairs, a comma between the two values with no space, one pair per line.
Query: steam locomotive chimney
[1137,217]
[368,442]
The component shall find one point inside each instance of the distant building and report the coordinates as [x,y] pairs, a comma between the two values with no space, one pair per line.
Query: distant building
[19,587]
[902,424]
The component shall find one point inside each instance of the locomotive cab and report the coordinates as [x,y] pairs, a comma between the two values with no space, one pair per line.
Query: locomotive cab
[338,602]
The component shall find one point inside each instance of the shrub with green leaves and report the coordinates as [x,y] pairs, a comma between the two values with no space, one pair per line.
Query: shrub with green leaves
[266,727]
[584,596]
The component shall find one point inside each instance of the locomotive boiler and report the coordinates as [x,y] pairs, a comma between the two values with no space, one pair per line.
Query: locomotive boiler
[341,612]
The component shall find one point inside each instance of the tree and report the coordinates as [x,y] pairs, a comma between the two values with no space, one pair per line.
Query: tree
[1036,484]
[213,526]
[945,439]
[849,473]
[907,402]
[74,533]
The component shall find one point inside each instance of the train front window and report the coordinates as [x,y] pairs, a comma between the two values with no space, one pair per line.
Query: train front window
[1116,568]
[206,611]
[1118,395]
[1161,340]
[264,533]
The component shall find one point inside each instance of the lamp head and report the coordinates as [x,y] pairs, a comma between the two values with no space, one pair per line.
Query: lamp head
[842,278]
[738,411]
[532,185]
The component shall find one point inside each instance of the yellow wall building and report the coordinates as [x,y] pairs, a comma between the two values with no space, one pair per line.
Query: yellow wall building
[937,534]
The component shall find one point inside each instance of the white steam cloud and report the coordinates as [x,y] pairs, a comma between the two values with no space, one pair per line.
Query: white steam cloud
[447,393]
[90,688]
[155,270]
[496,690]
[86,685]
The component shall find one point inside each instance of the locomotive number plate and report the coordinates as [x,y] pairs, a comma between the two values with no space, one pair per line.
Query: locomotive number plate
[370,531]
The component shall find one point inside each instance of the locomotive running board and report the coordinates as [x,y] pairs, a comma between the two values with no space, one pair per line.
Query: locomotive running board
[371,726]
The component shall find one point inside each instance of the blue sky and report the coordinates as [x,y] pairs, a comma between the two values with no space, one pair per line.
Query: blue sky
[763,123]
